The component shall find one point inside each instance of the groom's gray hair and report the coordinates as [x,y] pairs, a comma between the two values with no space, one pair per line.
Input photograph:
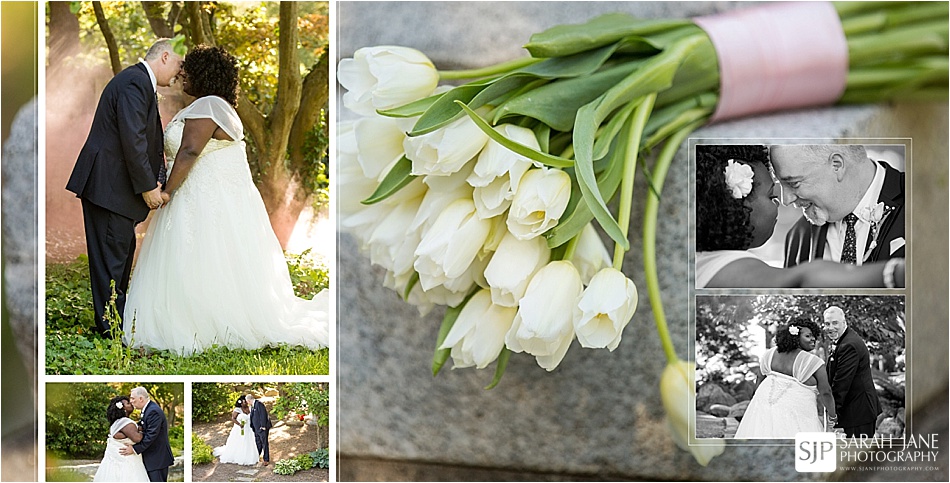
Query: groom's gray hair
[160,45]
[141,391]
[834,309]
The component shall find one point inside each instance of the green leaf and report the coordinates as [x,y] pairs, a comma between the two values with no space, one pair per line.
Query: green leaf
[451,315]
[413,109]
[502,364]
[413,280]
[517,148]
[556,103]
[564,40]
[178,45]
[399,176]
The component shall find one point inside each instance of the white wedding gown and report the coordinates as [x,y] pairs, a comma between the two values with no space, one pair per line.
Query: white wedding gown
[211,271]
[783,405]
[116,467]
[239,449]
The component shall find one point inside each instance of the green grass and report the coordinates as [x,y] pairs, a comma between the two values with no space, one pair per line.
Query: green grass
[72,349]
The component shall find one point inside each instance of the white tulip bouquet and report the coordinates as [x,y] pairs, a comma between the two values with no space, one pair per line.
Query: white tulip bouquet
[482,197]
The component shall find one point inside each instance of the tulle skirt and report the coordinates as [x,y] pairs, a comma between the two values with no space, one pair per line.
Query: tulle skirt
[116,467]
[211,271]
[239,449]
[781,407]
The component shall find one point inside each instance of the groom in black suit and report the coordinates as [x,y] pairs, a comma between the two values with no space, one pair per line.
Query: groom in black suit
[260,422]
[851,204]
[154,448]
[849,372]
[120,172]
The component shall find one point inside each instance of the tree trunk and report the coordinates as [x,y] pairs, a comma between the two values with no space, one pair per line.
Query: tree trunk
[200,25]
[162,26]
[109,37]
[63,33]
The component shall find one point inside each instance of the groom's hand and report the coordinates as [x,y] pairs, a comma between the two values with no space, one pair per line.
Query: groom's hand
[126,451]
[153,198]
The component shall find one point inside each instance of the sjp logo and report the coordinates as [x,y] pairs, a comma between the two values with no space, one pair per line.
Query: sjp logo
[815,453]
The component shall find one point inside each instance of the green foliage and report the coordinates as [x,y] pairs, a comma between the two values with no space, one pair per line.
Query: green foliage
[176,439]
[308,276]
[288,466]
[71,348]
[210,400]
[305,460]
[200,451]
[69,296]
[321,458]
[317,165]
[304,397]
[76,424]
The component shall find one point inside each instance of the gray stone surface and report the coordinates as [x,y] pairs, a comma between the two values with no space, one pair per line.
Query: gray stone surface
[598,415]
[19,231]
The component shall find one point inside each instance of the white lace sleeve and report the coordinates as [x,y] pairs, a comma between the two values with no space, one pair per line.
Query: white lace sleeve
[118,425]
[218,110]
[765,361]
[806,364]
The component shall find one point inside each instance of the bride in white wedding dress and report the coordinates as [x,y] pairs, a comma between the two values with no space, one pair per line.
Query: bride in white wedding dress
[241,447]
[123,431]
[786,401]
[211,271]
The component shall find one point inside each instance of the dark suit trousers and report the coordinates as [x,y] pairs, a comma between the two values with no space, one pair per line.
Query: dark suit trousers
[866,430]
[158,475]
[260,437]
[110,243]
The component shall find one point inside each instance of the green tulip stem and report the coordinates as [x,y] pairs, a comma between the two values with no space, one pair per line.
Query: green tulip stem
[650,214]
[502,68]
[640,117]
[571,247]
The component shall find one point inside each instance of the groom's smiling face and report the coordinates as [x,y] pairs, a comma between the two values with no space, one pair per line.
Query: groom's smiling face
[810,180]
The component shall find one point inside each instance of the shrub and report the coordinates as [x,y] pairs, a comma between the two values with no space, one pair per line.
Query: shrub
[304,397]
[308,276]
[305,460]
[76,424]
[210,400]
[288,466]
[176,439]
[69,296]
[321,458]
[201,452]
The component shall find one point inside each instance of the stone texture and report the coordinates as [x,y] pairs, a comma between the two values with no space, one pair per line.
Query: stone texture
[598,415]
[710,394]
[718,410]
[738,410]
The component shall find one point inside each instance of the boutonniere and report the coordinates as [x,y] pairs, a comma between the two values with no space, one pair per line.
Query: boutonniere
[875,215]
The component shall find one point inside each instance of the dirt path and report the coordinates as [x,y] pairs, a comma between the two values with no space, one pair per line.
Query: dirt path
[286,441]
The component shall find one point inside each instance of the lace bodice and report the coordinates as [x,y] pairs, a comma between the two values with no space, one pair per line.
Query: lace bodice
[173,134]
[804,366]
[210,107]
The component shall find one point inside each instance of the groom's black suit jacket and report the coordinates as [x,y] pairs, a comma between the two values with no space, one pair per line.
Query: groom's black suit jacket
[259,417]
[849,372]
[124,151]
[806,242]
[154,448]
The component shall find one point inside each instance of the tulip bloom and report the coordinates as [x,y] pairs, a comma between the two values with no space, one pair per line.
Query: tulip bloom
[539,202]
[544,325]
[450,245]
[678,396]
[604,309]
[513,265]
[498,171]
[379,144]
[445,151]
[478,335]
[591,255]
[383,77]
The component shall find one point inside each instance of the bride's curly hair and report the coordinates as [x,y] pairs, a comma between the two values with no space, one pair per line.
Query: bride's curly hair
[785,341]
[114,413]
[240,399]
[722,222]
[212,71]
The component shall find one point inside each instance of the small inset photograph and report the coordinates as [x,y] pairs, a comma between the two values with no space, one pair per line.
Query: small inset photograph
[771,366]
[800,215]
[260,431]
[122,431]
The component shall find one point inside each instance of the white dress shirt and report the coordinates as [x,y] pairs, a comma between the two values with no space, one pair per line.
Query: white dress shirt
[834,242]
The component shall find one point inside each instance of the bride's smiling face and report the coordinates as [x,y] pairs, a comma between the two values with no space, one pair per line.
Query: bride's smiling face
[764,203]
[806,339]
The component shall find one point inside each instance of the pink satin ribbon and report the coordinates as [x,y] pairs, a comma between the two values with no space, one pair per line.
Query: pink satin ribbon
[779,56]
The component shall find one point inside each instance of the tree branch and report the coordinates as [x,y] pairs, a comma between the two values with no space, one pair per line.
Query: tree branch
[288,83]
[108,36]
[253,120]
[314,96]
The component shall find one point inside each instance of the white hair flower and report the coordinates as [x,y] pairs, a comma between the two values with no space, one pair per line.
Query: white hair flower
[118,404]
[738,178]
[793,330]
